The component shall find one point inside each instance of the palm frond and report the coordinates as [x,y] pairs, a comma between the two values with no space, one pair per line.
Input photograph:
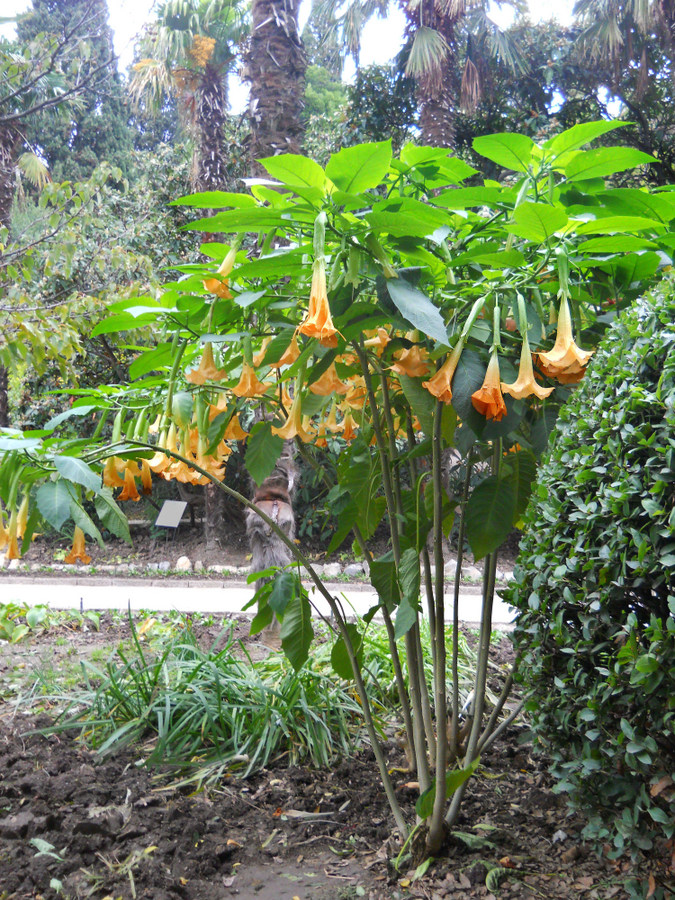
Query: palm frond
[34,169]
[151,82]
[602,37]
[470,90]
[428,52]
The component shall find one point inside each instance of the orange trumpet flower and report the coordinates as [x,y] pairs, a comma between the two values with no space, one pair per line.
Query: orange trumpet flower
[525,385]
[440,384]
[78,551]
[318,322]
[328,383]
[248,385]
[488,399]
[207,370]
[565,361]
[219,286]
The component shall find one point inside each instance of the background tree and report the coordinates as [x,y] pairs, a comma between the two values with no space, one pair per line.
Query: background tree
[97,129]
[274,65]
[190,51]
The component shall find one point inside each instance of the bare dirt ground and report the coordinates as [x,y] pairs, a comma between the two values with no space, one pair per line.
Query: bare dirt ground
[76,825]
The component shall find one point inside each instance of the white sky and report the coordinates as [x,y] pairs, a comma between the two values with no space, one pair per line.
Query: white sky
[381,39]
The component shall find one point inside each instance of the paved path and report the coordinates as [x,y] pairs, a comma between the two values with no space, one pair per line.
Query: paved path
[195,595]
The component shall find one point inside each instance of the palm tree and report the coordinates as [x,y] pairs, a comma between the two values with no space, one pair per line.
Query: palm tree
[275,66]
[448,41]
[622,31]
[190,51]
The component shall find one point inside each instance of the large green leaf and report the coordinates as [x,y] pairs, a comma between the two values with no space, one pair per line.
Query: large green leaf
[53,500]
[575,137]
[604,161]
[215,200]
[284,589]
[356,169]
[409,575]
[513,151]
[292,169]
[123,322]
[263,449]
[617,243]
[417,309]
[618,224]
[490,515]
[76,470]
[523,468]
[405,216]
[150,360]
[406,616]
[339,657]
[84,521]
[237,220]
[111,515]
[467,197]
[537,221]
[296,631]
[421,402]
[383,579]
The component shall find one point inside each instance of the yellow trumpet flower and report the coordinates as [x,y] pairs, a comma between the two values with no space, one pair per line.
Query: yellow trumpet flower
[328,383]
[293,426]
[525,385]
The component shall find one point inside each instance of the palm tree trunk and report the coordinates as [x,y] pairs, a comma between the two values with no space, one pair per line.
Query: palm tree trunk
[210,119]
[275,66]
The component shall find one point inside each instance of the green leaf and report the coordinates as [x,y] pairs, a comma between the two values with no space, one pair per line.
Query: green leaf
[417,309]
[403,217]
[453,779]
[490,514]
[537,221]
[284,590]
[151,360]
[111,515]
[124,322]
[406,616]
[356,169]
[84,521]
[421,402]
[523,468]
[292,169]
[53,500]
[339,658]
[255,219]
[604,161]
[575,137]
[215,200]
[467,197]
[513,151]
[77,471]
[296,631]
[383,579]
[614,224]
[263,449]
[617,243]
[68,413]
[181,409]
[246,298]
[409,575]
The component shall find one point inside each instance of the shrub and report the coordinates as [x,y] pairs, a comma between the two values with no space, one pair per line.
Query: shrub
[595,586]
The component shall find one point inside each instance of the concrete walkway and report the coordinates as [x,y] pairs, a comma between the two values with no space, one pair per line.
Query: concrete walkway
[195,595]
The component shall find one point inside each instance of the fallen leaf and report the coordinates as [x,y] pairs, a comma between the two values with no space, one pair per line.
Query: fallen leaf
[652,887]
[507,862]
[660,786]
[232,843]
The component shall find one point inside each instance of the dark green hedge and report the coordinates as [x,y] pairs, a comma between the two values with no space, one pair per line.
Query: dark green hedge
[595,586]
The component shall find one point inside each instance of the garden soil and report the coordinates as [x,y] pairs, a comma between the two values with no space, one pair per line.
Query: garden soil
[74,824]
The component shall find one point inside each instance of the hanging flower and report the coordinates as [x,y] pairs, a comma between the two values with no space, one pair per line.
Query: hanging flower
[234,431]
[377,341]
[78,551]
[440,384]
[249,386]
[413,362]
[289,356]
[146,477]
[328,383]
[565,361]
[488,399]
[293,426]
[207,371]
[219,286]
[318,322]
[357,393]
[13,551]
[349,426]
[161,461]
[259,357]
[129,491]
[111,470]
[525,385]
[22,517]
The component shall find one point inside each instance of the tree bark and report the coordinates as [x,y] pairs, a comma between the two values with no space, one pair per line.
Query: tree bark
[7,188]
[275,65]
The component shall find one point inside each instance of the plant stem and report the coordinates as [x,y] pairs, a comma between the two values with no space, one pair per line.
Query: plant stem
[454,736]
